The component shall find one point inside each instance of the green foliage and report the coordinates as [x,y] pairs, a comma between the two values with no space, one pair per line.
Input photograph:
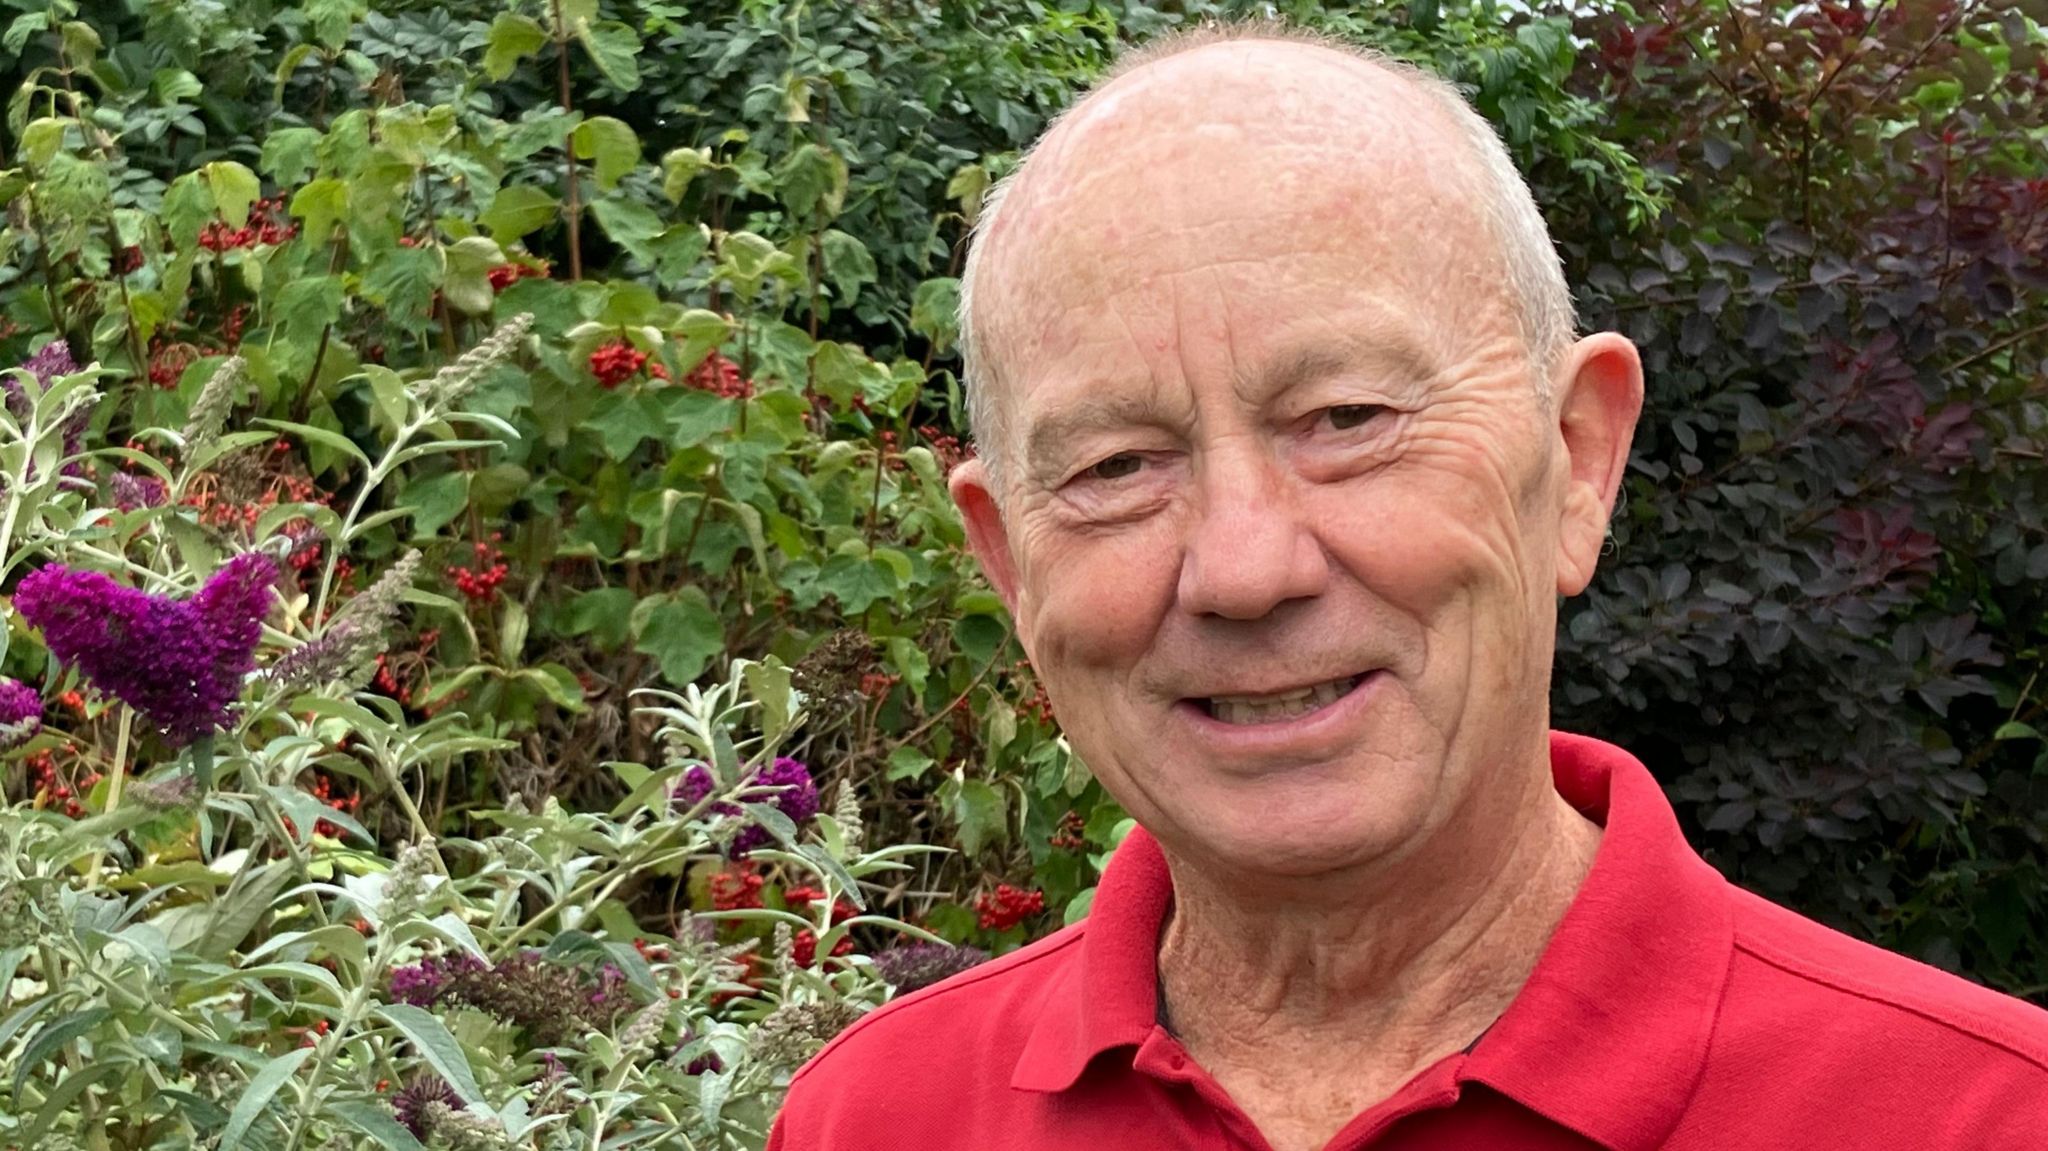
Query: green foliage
[719,454]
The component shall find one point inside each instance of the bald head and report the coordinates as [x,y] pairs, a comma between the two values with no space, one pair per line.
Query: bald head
[1324,142]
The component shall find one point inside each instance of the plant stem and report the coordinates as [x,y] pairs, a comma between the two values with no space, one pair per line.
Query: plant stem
[115,774]
[572,209]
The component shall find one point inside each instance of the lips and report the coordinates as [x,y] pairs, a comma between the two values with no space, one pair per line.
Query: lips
[1280,706]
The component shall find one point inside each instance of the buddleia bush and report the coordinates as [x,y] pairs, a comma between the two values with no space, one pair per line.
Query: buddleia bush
[207,955]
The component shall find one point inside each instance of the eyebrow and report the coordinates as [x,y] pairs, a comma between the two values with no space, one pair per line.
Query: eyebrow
[1398,359]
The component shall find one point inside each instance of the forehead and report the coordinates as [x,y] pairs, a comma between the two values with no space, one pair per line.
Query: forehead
[1237,192]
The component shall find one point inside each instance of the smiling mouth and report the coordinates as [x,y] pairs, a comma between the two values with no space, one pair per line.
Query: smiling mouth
[1250,710]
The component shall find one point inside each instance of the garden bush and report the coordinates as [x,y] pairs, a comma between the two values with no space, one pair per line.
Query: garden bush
[486,618]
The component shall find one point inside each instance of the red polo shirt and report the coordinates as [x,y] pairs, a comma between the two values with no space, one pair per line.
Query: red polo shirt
[1671,1010]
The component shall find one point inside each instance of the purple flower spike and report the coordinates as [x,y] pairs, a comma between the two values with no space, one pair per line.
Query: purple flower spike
[180,663]
[798,798]
[46,366]
[21,713]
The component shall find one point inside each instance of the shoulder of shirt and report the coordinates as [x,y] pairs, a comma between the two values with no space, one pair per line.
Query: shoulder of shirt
[1857,971]
[982,985]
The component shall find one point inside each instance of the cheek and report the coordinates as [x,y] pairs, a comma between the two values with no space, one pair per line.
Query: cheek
[1436,528]
[1093,605]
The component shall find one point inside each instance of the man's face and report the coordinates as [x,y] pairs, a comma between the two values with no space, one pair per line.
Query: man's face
[1281,527]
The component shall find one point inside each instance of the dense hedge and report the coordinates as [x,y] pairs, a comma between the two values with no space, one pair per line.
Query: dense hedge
[736,229]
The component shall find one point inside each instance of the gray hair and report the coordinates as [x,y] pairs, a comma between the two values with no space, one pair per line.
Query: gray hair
[1535,275]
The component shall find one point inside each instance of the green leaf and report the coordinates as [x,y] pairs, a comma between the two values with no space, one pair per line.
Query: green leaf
[437,500]
[24,26]
[305,306]
[812,179]
[320,204]
[2015,730]
[234,189]
[74,187]
[605,614]
[376,1121]
[512,38]
[857,581]
[979,812]
[935,311]
[466,284]
[330,20]
[611,144]
[290,154]
[630,225]
[188,204]
[53,1036]
[402,281]
[848,265]
[679,166]
[518,210]
[614,48]
[431,1039]
[621,420]
[682,634]
[41,140]
[908,763]
[263,1087]
[321,436]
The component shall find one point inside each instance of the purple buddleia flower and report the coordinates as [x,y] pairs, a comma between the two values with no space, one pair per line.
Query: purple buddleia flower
[797,797]
[912,966]
[411,1103]
[47,365]
[21,713]
[179,662]
[132,492]
[422,984]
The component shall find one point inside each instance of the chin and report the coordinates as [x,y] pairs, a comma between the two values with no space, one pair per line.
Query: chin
[1299,837]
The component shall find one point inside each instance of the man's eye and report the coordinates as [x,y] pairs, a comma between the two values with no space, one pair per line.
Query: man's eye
[1115,467]
[1344,417]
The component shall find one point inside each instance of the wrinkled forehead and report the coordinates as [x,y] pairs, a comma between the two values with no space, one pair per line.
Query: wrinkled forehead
[1283,181]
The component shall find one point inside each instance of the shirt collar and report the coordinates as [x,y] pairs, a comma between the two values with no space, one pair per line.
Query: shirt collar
[1610,1033]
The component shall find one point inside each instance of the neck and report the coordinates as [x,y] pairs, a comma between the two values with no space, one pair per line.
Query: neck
[1394,966]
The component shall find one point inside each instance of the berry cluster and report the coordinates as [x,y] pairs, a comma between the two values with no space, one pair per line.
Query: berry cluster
[947,447]
[1039,705]
[735,890]
[876,684]
[1067,837]
[615,363]
[238,500]
[168,361]
[50,788]
[267,225]
[127,260]
[1008,907]
[323,790]
[720,377]
[480,583]
[505,275]
[803,947]
[799,900]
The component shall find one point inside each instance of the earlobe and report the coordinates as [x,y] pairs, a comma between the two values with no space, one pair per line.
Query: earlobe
[1598,399]
[986,533]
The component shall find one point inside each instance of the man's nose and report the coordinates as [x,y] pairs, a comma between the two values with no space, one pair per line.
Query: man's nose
[1250,548]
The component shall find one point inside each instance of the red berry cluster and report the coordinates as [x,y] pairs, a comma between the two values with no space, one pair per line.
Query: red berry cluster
[323,790]
[615,363]
[1008,907]
[720,377]
[168,361]
[799,899]
[735,890]
[128,259]
[876,684]
[1067,837]
[803,947]
[231,327]
[1039,705]
[505,275]
[652,953]
[947,447]
[50,788]
[480,583]
[267,225]
[890,450]
[218,511]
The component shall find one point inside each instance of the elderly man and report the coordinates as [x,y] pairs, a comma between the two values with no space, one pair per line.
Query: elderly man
[1287,451]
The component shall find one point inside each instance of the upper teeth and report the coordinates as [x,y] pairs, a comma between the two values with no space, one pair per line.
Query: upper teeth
[1281,705]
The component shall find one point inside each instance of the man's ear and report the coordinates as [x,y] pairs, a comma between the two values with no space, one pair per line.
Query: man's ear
[1597,397]
[986,534]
